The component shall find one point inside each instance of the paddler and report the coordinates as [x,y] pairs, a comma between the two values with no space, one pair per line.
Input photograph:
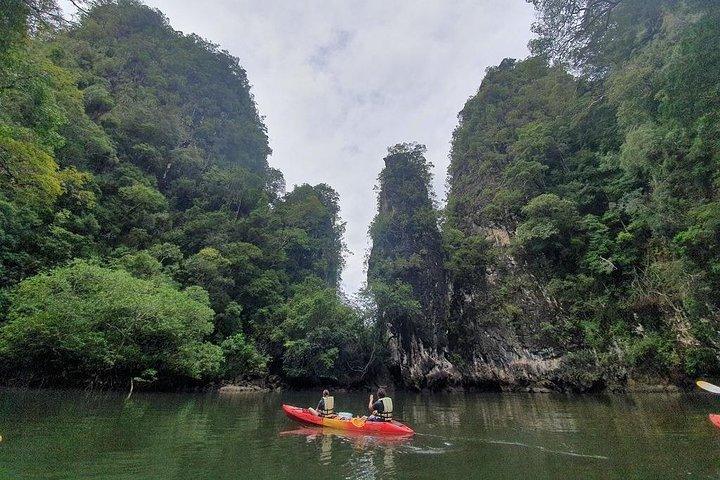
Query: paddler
[326,405]
[381,410]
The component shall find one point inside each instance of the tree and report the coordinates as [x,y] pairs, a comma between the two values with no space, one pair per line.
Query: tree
[85,323]
[312,231]
[549,227]
[595,36]
[28,175]
[242,358]
[129,143]
[210,269]
[322,339]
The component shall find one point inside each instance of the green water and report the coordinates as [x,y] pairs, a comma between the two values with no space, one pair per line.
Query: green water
[63,435]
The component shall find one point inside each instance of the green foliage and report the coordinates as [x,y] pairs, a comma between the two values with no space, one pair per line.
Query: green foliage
[600,190]
[199,89]
[405,268]
[13,23]
[321,338]
[84,323]
[596,35]
[210,269]
[579,372]
[396,301]
[242,358]
[510,135]
[467,255]
[700,360]
[127,142]
[28,175]
[653,352]
[141,264]
[311,223]
[548,227]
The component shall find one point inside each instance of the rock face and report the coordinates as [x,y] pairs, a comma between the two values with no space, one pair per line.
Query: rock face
[452,327]
[419,366]
[499,311]
[499,346]
[406,273]
[579,243]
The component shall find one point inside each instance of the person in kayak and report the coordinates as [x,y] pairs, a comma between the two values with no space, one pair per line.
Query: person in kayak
[381,410]
[326,405]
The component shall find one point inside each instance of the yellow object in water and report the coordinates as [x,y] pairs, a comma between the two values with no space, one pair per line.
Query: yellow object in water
[708,386]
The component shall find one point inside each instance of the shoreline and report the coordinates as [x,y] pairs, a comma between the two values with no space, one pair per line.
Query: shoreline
[230,390]
[275,384]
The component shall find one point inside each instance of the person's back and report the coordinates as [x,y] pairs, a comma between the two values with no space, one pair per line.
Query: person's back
[326,405]
[382,408]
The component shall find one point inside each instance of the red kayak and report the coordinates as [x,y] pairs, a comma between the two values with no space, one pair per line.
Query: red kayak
[355,424]
[715,419]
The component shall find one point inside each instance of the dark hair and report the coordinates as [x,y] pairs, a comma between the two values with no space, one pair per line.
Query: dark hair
[381,392]
[326,393]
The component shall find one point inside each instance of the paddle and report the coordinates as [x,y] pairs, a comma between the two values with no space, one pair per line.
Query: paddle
[708,386]
[358,421]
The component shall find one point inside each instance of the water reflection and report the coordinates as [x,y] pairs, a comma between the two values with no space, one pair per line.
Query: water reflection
[358,440]
[372,456]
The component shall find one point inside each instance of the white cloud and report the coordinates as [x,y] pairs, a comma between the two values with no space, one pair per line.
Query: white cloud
[340,81]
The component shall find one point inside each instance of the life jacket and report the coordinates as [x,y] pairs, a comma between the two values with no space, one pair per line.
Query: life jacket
[387,412]
[329,404]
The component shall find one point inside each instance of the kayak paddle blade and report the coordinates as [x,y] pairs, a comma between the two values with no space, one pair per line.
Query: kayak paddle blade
[715,419]
[708,386]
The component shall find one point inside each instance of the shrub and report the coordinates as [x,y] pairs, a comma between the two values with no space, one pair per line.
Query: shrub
[84,323]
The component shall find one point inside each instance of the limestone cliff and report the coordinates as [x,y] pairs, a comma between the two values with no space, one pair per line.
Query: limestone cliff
[406,274]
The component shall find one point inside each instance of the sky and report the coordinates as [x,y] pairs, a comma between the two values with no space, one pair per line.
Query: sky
[338,82]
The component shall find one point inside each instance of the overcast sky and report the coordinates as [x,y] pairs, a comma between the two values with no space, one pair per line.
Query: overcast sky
[340,81]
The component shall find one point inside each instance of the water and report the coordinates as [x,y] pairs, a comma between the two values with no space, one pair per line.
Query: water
[69,435]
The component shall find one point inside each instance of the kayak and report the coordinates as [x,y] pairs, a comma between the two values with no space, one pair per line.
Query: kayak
[715,419]
[355,424]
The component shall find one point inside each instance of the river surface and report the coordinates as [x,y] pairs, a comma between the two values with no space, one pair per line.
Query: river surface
[50,434]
